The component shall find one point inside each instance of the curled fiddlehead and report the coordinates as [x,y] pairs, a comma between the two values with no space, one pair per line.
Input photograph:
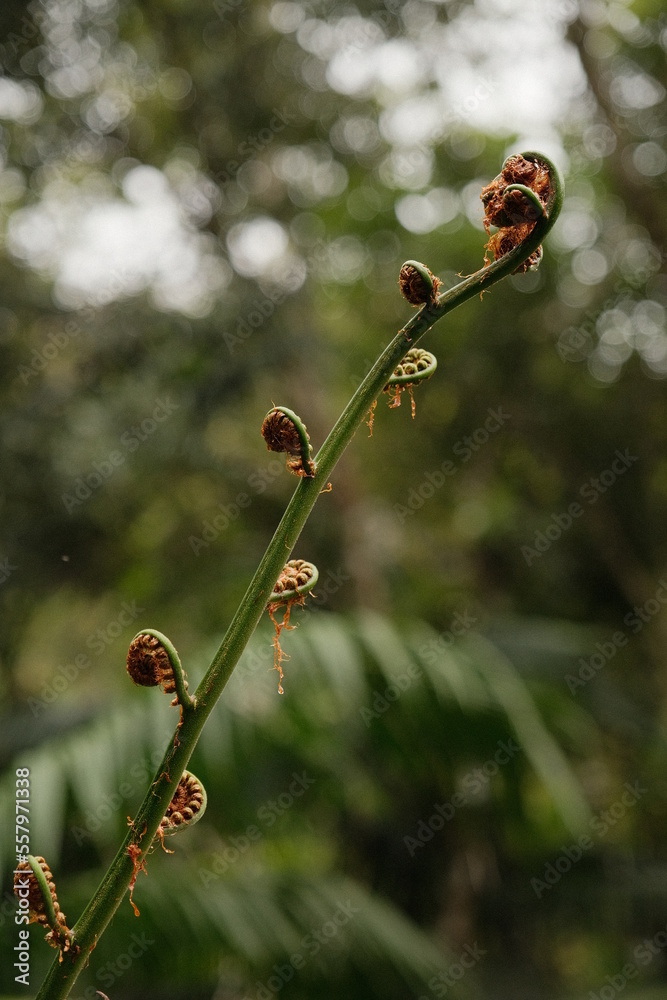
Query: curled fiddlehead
[524,191]
[296,580]
[284,431]
[417,283]
[36,891]
[298,577]
[152,661]
[417,366]
[186,807]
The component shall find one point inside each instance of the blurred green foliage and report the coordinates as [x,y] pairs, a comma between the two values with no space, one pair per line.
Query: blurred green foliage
[204,210]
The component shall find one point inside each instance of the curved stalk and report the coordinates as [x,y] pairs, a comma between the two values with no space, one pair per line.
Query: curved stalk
[413,359]
[124,867]
[62,936]
[287,586]
[295,443]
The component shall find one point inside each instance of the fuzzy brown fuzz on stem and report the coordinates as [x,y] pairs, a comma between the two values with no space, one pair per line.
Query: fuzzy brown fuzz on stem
[297,578]
[279,655]
[138,865]
[417,366]
[394,392]
[505,240]
[295,464]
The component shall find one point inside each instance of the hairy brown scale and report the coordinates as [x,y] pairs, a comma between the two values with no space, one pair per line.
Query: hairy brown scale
[186,803]
[512,212]
[280,433]
[36,907]
[295,574]
[414,288]
[148,664]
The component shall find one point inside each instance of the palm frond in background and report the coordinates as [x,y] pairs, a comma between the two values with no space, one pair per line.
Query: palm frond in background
[317,796]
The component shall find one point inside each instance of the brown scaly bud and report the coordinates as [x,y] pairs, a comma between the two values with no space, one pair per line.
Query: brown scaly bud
[513,202]
[280,433]
[38,896]
[504,240]
[152,661]
[148,663]
[284,431]
[417,283]
[186,807]
[518,207]
[499,204]
[297,579]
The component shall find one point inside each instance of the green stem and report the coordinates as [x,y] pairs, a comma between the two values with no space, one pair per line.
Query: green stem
[62,975]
